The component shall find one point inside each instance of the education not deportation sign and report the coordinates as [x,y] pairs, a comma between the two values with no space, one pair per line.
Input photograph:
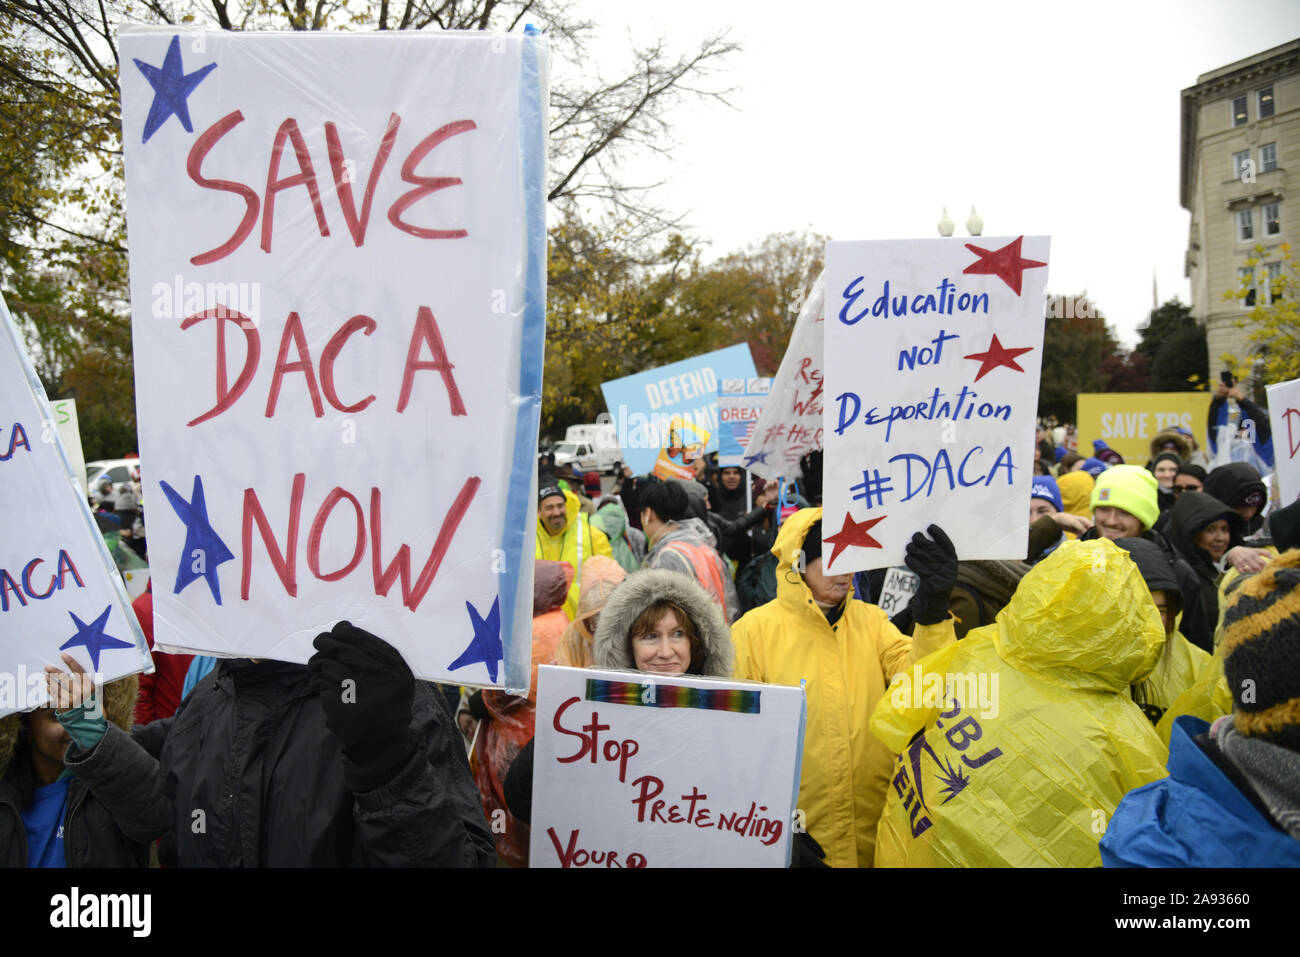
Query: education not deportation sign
[933,354]
[59,588]
[642,770]
[338,294]
[658,414]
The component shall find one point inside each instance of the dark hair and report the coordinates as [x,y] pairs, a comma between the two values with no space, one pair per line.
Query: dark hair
[649,619]
[1195,471]
[1068,460]
[667,500]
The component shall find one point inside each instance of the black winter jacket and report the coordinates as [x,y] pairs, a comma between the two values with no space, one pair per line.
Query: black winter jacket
[1194,511]
[116,806]
[255,778]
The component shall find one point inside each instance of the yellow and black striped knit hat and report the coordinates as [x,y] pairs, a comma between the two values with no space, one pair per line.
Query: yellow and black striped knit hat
[1261,652]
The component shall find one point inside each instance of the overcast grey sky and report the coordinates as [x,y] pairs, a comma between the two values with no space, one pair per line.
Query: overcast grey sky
[861,120]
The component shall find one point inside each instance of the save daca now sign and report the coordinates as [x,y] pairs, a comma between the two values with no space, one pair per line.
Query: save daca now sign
[354,438]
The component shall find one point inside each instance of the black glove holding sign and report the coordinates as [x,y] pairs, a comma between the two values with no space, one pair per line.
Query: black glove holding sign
[935,563]
[366,690]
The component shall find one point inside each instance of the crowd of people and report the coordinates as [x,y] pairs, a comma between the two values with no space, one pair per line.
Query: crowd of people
[1128,693]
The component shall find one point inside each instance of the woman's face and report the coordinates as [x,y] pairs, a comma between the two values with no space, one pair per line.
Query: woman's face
[1213,538]
[731,479]
[665,650]
[1165,471]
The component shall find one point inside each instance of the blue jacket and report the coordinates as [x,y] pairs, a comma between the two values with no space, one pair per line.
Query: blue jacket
[1196,817]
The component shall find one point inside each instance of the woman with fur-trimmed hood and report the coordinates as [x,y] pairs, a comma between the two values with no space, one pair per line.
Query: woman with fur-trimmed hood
[634,632]
[75,788]
[662,619]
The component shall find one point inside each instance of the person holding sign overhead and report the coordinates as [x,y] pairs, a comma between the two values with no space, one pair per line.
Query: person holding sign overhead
[848,652]
[75,790]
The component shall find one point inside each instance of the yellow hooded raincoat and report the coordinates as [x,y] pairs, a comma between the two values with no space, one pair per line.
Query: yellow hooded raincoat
[578,542]
[1029,738]
[848,667]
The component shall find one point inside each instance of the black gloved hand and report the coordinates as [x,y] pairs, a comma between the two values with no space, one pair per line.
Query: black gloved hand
[366,691]
[935,563]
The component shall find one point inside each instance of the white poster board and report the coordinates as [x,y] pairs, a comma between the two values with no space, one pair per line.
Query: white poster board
[790,425]
[338,294]
[1284,416]
[642,770]
[933,354]
[897,590]
[65,420]
[59,588]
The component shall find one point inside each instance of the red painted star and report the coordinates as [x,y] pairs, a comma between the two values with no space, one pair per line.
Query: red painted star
[997,355]
[1005,263]
[851,533]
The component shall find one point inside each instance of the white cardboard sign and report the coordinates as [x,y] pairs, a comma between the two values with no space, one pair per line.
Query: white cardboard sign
[65,420]
[338,296]
[790,425]
[59,588]
[640,770]
[1284,413]
[933,354]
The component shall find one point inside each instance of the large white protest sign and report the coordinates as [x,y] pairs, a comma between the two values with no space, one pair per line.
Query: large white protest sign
[791,422]
[59,589]
[338,294]
[1284,416]
[933,354]
[641,770]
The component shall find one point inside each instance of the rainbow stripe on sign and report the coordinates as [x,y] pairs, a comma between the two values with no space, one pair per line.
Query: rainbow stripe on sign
[673,696]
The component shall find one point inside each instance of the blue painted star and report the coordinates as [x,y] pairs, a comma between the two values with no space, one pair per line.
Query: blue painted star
[751,459]
[171,86]
[485,646]
[204,550]
[92,637]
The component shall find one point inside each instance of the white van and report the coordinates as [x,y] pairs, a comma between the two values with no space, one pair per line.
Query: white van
[589,447]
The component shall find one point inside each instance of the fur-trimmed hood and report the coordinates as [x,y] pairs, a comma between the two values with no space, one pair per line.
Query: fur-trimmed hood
[642,589]
[119,705]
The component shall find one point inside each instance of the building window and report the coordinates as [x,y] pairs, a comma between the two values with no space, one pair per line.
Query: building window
[1267,157]
[1240,163]
[1245,225]
[1266,102]
[1239,111]
[1272,219]
[1246,279]
[1273,279]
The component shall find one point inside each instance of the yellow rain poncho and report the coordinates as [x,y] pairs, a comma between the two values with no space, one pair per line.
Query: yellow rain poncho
[1029,737]
[848,667]
[1209,699]
[1180,667]
[578,542]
